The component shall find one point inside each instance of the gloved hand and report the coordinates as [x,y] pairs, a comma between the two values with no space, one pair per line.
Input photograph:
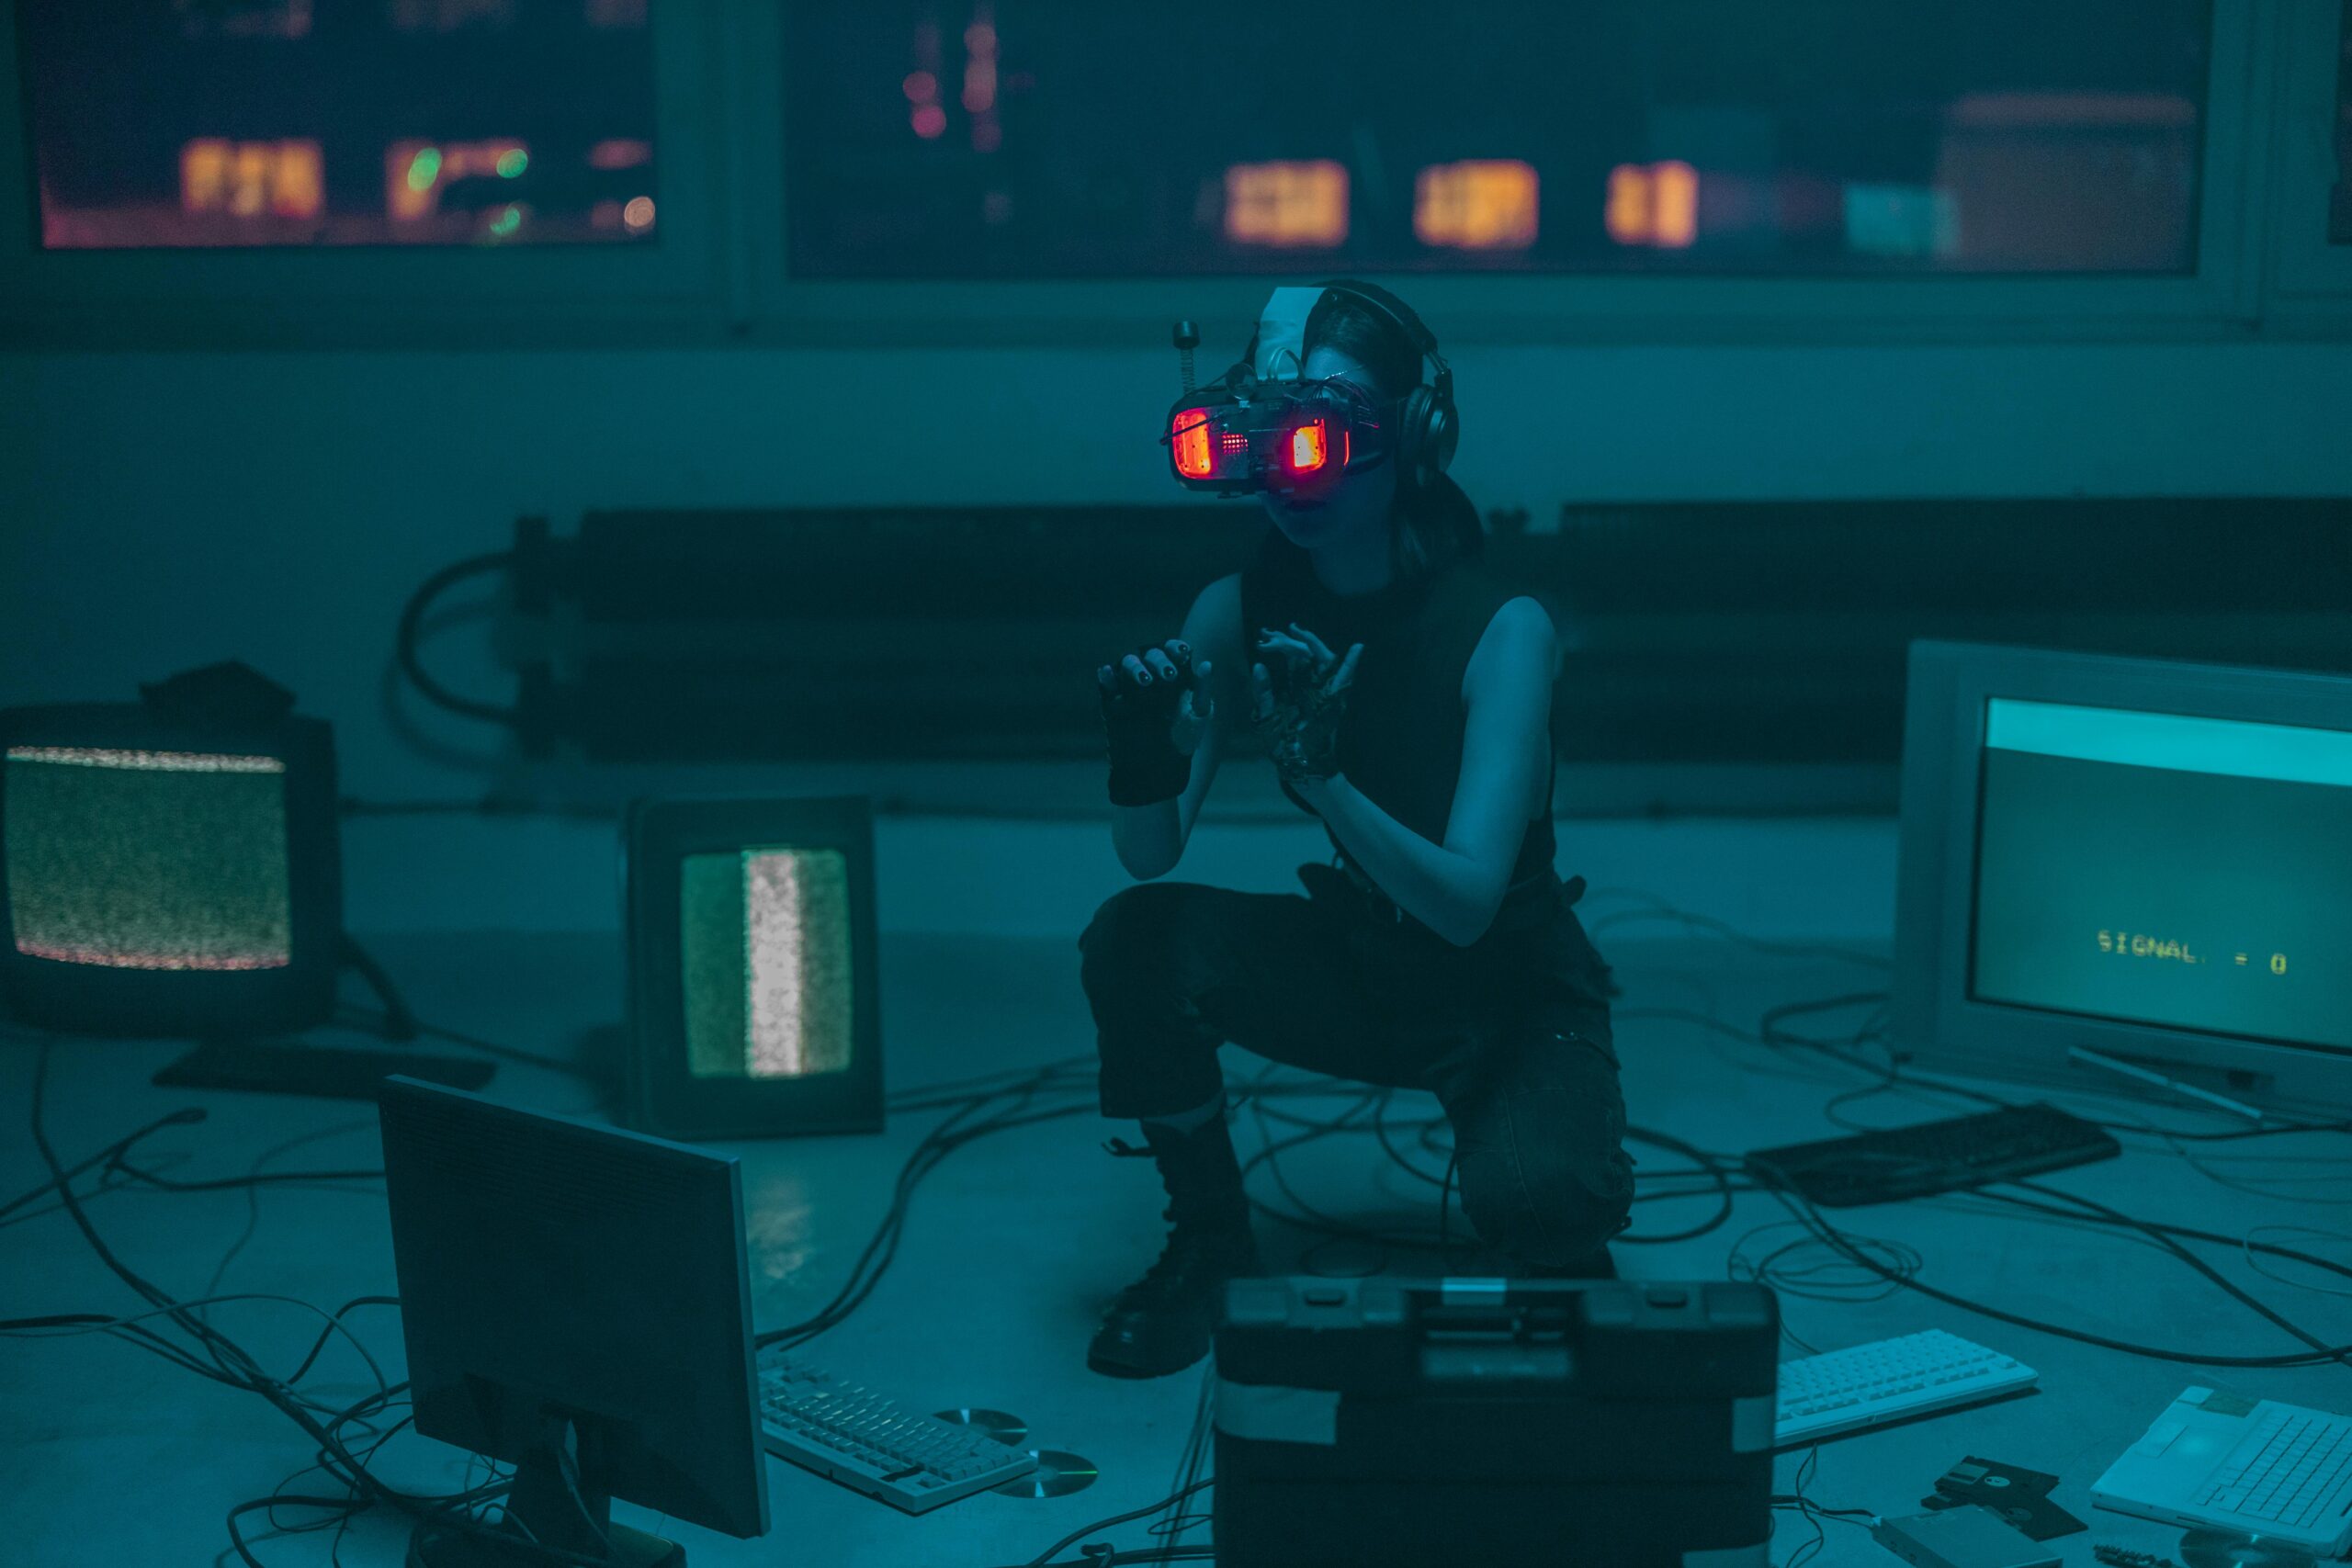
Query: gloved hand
[1301,727]
[1154,709]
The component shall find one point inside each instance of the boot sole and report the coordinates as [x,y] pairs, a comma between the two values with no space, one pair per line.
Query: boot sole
[1139,1372]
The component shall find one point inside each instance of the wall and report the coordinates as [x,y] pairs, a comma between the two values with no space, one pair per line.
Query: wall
[158,512]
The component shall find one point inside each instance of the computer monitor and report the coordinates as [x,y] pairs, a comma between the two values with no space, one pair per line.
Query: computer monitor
[2147,860]
[575,1301]
[162,874]
[754,995]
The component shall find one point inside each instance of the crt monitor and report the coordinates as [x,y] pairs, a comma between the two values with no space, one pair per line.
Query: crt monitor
[167,874]
[2148,860]
[754,985]
[575,1301]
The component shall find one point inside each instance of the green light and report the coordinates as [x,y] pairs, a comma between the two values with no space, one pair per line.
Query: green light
[507,223]
[512,161]
[423,169]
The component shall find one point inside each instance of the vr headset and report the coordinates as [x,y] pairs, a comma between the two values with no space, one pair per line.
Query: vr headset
[1263,426]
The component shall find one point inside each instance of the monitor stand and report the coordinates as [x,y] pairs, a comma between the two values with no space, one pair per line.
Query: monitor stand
[553,1503]
[331,1072]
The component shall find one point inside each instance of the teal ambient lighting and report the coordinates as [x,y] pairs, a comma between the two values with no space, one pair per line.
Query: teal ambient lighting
[2180,741]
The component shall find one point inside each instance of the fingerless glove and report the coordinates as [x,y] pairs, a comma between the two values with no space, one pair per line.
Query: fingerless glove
[1138,719]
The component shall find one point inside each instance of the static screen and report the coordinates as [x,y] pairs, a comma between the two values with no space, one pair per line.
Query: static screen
[147,860]
[2160,868]
[766,962]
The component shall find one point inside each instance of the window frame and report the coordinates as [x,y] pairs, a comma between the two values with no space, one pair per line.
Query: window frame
[2218,296]
[437,296]
[718,275]
[2309,277]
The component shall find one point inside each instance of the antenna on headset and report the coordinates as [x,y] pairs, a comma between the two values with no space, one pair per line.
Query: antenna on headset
[1187,338]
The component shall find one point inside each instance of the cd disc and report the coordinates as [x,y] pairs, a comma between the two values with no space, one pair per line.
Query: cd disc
[1058,1474]
[1006,1429]
[2227,1548]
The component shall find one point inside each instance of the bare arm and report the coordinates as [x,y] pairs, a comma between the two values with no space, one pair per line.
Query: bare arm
[1150,838]
[1455,887]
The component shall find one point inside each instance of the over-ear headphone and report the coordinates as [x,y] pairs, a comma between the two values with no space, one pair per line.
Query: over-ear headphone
[1428,426]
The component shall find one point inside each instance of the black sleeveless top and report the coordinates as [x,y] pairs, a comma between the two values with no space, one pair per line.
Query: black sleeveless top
[1400,739]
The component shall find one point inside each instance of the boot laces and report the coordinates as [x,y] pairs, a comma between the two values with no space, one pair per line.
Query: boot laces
[1189,1247]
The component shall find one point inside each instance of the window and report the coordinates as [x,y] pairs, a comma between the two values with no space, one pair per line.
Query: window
[2339,205]
[2311,204]
[964,140]
[281,123]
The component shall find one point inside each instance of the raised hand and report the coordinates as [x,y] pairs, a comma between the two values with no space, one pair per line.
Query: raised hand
[1154,711]
[1301,727]
[1152,681]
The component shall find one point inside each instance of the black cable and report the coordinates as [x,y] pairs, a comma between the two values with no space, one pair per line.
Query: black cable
[881,1248]
[411,621]
[2328,1263]
[111,1152]
[237,1366]
[1769,1033]
[334,1320]
[255,1179]
[136,1334]
[2162,1233]
[1046,1556]
[1804,1210]
[1719,1171]
[1189,1465]
[1755,943]
[2162,1236]
[399,1023]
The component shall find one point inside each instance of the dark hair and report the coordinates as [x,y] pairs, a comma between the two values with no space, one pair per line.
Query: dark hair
[1430,523]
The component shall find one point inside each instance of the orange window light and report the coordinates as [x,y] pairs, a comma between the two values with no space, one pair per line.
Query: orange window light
[1302,203]
[1481,204]
[247,178]
[1653,204]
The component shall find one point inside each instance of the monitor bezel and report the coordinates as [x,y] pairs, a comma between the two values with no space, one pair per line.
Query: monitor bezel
[1937,1023]
[446,1348]
[184,1003]
[662,1094]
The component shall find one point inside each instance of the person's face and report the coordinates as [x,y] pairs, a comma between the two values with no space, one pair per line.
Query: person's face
[1353,504]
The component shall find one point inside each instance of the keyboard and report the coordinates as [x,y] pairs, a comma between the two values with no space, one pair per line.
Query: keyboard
[2302,1464]
[1870,1385]
[1937,1157]
[870,1443]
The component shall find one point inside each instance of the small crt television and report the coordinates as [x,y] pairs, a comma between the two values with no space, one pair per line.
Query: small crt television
[165,874]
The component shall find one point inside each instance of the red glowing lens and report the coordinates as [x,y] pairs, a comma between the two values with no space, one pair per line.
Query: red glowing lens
[1191,429]
[1308,447]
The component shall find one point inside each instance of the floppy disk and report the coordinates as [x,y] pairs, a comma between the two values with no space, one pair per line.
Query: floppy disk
[2018,1495]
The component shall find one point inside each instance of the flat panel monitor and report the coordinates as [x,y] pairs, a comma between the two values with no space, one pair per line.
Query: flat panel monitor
[575,1300]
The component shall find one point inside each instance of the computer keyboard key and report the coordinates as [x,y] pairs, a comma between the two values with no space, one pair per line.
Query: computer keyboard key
[911,1461]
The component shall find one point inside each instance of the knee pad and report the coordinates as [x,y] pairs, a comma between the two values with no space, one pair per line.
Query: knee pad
[1544,1177]
[1144,916]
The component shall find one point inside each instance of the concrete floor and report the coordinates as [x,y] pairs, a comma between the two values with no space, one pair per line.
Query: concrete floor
[109,1456]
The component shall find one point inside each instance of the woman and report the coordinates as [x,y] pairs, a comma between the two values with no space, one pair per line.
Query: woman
[1404,697]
